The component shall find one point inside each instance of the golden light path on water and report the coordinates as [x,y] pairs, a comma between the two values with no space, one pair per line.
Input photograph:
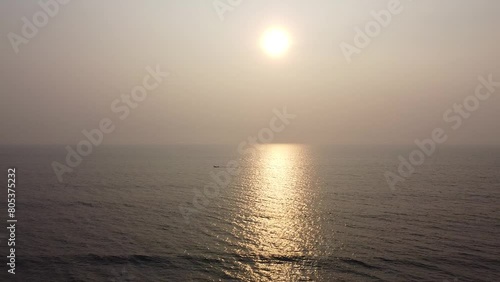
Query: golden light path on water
[277,225]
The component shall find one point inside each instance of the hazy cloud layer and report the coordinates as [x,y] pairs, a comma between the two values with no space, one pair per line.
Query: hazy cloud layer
[224,88]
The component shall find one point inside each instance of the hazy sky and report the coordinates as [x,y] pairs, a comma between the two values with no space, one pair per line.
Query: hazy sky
[223,88]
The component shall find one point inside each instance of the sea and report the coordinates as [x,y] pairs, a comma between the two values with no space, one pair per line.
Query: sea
[277,212]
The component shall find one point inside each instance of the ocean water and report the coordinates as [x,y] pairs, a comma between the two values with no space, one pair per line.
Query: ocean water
[292,213]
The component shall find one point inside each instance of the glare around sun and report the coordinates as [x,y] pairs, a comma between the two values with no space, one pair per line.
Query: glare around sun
[275,42]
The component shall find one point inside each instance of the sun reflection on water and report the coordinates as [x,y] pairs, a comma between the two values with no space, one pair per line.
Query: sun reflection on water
[279,232]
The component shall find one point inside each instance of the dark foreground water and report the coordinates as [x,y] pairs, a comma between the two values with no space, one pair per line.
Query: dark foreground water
[292,213]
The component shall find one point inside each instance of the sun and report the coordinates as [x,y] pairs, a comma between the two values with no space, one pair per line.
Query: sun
[275,42]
